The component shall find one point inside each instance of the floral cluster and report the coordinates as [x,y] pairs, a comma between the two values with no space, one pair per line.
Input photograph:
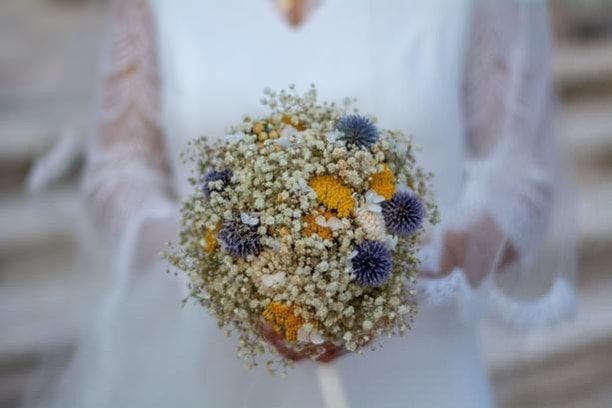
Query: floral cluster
[308,220]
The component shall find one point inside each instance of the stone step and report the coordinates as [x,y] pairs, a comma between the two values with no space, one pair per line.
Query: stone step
[41,264]
[584,69]
[585,131]
[44,274]
[36,220]
[43,90]
[582,19]
[594,220]
[562,366]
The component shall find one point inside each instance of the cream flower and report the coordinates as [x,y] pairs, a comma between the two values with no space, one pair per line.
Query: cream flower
[269,269]
[372,223]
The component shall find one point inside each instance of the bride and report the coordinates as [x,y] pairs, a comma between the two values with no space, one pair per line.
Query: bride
[468,79]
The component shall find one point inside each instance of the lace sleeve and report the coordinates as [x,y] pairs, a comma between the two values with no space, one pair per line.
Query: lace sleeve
[496,237]
[126,173]
[508,98]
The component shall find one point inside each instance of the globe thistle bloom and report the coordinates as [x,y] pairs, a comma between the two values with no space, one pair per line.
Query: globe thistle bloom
[239,239]
[212,175]
[403,214]
[372,263]
[357,130]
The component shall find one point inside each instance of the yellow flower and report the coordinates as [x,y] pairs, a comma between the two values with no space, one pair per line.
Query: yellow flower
[288,120]
[283,320]
[383,183]
[314,228]
[333,194]
[210,241]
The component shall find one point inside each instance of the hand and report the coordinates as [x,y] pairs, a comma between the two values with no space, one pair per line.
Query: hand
[323,353]
[477,247]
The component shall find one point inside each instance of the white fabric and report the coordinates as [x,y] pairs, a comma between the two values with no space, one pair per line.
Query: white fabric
[469,80]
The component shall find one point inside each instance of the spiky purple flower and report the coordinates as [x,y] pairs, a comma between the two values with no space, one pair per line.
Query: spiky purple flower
[225,176]
[239,239]
[372,264]
[403,214]
[357,130]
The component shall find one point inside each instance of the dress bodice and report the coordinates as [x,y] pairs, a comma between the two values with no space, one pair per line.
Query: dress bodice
[402,62]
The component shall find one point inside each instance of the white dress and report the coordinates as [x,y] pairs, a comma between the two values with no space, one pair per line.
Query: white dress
[469,80]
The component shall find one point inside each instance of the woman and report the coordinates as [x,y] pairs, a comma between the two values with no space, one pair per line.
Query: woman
[468,79]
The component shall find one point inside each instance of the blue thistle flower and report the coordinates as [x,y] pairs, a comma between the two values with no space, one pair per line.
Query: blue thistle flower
[239,239]
[214,175]
[403,214]
[357,130]
[372,264]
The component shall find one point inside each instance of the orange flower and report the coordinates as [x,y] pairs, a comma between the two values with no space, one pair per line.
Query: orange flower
[383,183]
[210,240]
[314,228]
[333,194]
[283,320]
[287,120]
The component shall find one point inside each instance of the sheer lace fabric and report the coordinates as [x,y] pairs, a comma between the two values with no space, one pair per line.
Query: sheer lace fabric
[510,177]
[126,174]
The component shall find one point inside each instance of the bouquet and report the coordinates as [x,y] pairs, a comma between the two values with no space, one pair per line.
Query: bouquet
[308,220]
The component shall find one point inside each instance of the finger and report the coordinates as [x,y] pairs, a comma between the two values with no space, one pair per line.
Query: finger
[277,340]
[456,245]
[282,347]
[330,353]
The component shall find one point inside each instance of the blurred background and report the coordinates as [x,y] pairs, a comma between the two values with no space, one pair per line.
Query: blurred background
[48,64]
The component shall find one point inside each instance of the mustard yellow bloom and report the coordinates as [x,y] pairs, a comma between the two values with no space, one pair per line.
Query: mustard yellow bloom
[333,194]
[383,183]
[283,320]
[314,228]
[210,241]
[288,120]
